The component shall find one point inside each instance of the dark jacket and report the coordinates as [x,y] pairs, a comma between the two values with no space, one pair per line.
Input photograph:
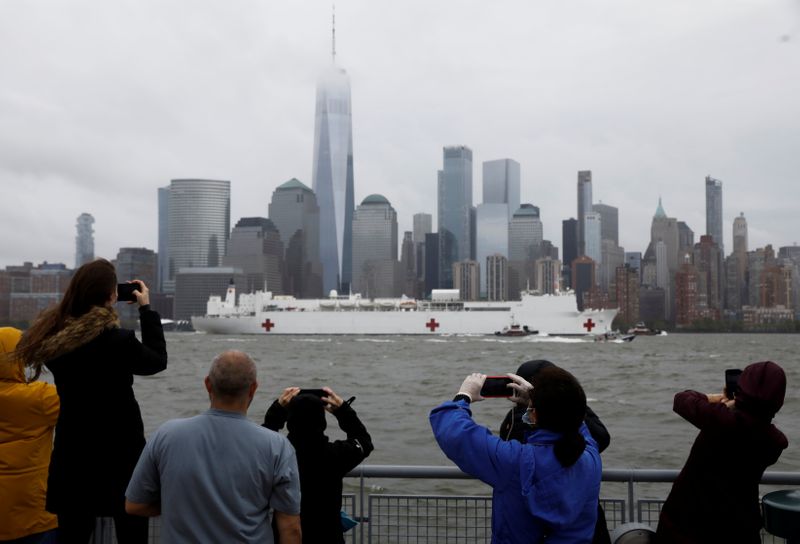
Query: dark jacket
[322,465]
[715,497]
[512,427]
[99,434]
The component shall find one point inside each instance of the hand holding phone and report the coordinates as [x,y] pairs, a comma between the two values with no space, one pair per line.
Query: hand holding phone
[732,382]
[317,392]
[125,292]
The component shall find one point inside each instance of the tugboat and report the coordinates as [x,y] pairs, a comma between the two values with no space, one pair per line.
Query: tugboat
[515,329]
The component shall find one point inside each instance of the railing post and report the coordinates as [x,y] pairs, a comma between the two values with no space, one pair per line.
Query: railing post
[631,498]
[361,506]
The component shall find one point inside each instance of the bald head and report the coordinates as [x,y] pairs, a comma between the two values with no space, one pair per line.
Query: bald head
[232,376]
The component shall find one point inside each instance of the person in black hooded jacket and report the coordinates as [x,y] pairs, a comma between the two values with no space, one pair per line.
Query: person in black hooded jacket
[514,428]
[322,463]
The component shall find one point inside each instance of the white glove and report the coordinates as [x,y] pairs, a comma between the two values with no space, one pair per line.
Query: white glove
[472,386]
[522,390]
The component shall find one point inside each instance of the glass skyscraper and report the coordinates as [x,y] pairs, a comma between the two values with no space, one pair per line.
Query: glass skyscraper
[332,177]
[714,210]
[454,210]
[501,184]
[199,225]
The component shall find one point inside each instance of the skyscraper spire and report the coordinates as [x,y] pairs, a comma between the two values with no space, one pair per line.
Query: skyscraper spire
[333,35]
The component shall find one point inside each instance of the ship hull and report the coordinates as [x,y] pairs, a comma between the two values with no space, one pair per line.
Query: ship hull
[551,315]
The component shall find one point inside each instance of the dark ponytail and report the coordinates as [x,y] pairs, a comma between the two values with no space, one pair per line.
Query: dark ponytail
[569,448]
[560,405]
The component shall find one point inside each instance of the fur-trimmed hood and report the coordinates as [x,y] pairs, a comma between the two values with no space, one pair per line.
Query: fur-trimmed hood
[76,333]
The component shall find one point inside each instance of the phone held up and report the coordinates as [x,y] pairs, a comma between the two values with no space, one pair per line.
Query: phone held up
[496,387]
[318,392]
[125,292]
[732,382]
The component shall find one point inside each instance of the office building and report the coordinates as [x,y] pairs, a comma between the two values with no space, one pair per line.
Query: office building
[740,234]
[584,206]
[592,237]
[612,258]
[665,230]
[627,295]
[714,211]
[333,178]
[496,277]
[708,262]
[501,184]
[466,278]
[423,224]
[134,263]
[375,248]
[199,225]
[492,236]
[193,286]
[548,276]
[583,277]
[84,240]
[525,237]
[609,222]
[432,260]
[569,240]
[408,265]
[163,239]
[454,202]
[295,213]
[633,259]
[255,248]
[685,241]
[686,295]
[27,290]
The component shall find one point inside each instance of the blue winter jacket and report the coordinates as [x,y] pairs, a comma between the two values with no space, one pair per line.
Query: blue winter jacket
[533,495]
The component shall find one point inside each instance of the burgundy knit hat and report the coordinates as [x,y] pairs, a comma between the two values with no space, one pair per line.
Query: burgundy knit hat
[762,387]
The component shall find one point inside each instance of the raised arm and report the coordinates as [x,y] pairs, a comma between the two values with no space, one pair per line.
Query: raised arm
[470,446]
[149,356]
[702,410]
[276,415]
[358,445]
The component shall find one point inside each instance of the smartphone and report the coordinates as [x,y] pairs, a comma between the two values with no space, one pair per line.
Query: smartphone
[496,386]
[318,392]
[732,382]
[125,292]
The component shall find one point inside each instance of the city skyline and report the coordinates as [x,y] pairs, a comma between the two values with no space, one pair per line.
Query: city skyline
[651,112]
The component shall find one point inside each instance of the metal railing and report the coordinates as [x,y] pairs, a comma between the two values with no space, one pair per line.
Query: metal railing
[389,518]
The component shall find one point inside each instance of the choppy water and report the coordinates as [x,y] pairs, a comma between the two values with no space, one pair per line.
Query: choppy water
[397,380]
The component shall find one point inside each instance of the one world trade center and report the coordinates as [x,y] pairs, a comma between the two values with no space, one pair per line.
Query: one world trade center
[333,177]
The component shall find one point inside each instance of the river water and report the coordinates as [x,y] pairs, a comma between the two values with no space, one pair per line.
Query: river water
[397,381]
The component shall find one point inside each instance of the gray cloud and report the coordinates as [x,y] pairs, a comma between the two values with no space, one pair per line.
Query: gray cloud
[103,102]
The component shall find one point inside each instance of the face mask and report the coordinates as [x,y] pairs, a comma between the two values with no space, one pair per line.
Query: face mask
[526,418]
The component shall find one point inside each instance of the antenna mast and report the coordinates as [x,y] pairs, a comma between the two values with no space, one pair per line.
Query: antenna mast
[333,35]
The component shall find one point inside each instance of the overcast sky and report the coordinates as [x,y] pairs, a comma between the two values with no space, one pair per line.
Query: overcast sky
[102,102]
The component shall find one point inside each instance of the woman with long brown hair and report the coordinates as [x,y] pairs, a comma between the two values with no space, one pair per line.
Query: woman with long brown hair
[99,434]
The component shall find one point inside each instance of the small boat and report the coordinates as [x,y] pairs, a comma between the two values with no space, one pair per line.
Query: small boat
[614,337]
[640,329]
[515,330]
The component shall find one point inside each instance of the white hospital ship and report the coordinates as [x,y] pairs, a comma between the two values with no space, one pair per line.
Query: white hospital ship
[264,313]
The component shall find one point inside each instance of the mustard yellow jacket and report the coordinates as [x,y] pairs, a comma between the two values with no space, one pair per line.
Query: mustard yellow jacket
[28,414]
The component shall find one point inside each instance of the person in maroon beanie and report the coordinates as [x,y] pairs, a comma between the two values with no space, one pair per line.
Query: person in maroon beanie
[715,497]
